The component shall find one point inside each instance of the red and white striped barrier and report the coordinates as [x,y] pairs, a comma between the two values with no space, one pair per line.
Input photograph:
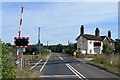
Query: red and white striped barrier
[20,22]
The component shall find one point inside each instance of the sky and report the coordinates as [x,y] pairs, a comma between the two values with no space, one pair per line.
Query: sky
[59,21]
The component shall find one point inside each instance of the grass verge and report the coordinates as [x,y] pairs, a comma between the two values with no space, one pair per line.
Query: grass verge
[103,62]
[26,73]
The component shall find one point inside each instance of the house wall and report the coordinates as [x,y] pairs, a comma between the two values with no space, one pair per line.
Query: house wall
[82,44]
[87,46]
[91,47]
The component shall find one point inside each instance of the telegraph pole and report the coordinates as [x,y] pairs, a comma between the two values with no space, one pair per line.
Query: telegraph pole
[39,40]
[47,44]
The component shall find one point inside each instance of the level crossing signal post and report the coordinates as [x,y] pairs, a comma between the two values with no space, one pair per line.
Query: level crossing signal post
[20,43]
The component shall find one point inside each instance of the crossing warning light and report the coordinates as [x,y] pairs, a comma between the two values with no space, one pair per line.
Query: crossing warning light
[21,42]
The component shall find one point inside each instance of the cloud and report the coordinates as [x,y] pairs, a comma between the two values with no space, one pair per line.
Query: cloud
[59,22]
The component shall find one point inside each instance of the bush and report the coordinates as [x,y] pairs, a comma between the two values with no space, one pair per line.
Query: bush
[7,69]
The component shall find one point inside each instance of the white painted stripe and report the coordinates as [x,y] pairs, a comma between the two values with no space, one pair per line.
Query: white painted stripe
[44,64]
[35,64]
[60,57]
[76,71]
[58,76]
[73,71]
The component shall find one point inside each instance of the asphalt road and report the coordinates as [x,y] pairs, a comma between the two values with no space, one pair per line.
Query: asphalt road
[61,66]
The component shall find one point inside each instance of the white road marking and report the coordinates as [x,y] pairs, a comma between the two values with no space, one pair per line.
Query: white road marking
[73,71]
[79,75]
[35,64]
[44,64]
[76,71]
[58,76]
[60,57]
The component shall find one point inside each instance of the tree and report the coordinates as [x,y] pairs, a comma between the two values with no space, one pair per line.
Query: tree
[8,44]
[31,49]
[105,48]
[71,48]
[59,48]
[117,45]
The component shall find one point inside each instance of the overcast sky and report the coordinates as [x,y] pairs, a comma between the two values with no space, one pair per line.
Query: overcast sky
[59,21]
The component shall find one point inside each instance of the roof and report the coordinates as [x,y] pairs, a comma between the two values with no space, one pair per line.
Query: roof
[92,37]
[103,37]
[111,40]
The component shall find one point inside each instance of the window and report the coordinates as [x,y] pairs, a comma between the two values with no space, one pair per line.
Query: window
[97,44]
[91,51]
[90,42]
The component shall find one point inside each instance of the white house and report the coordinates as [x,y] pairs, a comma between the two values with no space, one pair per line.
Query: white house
[91,44]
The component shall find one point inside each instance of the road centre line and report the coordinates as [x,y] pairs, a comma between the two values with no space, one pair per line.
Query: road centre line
[58,76]
[35,64]
[73,71]
[44,64]
[77,71]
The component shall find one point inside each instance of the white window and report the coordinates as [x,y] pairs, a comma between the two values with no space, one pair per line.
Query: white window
[90,42]
[91,51]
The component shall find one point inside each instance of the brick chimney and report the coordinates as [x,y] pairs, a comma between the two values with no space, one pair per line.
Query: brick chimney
[109,34]
[82,30]
[97,32]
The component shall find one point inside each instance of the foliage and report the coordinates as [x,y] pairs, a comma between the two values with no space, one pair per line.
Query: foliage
[104,62]
[8,70]
[31,49]
[57,48]
[45,52]
[71,48]
[105,48]
[117,45]
[63,48]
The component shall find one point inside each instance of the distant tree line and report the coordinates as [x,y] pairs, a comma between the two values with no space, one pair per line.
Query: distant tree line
[68,49]
[59,48]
